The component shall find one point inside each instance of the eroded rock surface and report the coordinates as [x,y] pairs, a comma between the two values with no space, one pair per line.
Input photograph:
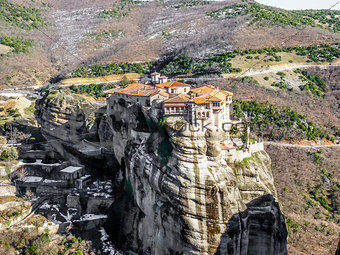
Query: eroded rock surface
[258,230]
[179,189]
[176,189]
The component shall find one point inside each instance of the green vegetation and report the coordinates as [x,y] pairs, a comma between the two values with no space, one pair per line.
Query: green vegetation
[95,90]
[41,241]
[114,13]
[9,154]
[321,195]
[264,15]
[165,150]
[281,74]
[21,16]
[112,34]
[245,162]
[291,225]
[8,116]
[316,155]
[280,85]
[125,82]
[328,19]
[266,78]
[30,110]
[215,64]
[314,84]
[129,188]
[278,122]
[107,69]
[71,243]
[190,3]
[166,35]
[30,242]
[326,192]
[121,10]
[18,45]
[221,63]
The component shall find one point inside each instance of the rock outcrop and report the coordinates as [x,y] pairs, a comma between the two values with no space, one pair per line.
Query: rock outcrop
[66,118]
[176,188]
[179,189]
[258,230]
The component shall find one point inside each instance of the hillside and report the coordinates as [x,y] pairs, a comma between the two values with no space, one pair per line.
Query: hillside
[282,66]
[67,35]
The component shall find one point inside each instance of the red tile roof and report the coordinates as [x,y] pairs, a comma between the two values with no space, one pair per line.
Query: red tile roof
[208,94]
[171,84]
[181,98]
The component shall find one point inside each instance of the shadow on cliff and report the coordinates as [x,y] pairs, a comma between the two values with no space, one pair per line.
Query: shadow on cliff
[259,230]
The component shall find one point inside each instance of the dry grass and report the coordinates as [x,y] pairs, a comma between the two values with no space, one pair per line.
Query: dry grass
[6,199]
[294,172]
[322,111]
[102,79]
[20,104]
[244,63]
[92,99]
[4,49]
[277,36]
[191,33]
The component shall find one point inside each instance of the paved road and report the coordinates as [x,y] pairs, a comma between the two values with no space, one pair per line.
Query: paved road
[300,146]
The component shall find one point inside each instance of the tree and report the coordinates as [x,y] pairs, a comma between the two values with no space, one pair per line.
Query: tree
[4,155]
[15,135]
[125,82]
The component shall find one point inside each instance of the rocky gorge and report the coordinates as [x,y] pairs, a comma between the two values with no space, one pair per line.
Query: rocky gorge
[176,191]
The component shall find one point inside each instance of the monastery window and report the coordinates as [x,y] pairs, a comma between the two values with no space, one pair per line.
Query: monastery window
[172,108]
[111,107]
[208,114]
[203,114]
[199,115]
[216,104]
[137,100]
[207,106]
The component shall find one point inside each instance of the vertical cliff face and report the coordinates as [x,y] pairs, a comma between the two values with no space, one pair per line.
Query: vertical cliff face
[66,118]
[180,189]
[257,230]
[177,188]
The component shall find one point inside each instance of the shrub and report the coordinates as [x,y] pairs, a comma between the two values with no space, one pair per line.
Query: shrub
[21,16]
[41,241]
[266,78]
[9,154]
[271,121]
[264,15]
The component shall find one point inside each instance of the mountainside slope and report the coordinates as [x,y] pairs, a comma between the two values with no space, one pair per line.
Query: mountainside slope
[79,33]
